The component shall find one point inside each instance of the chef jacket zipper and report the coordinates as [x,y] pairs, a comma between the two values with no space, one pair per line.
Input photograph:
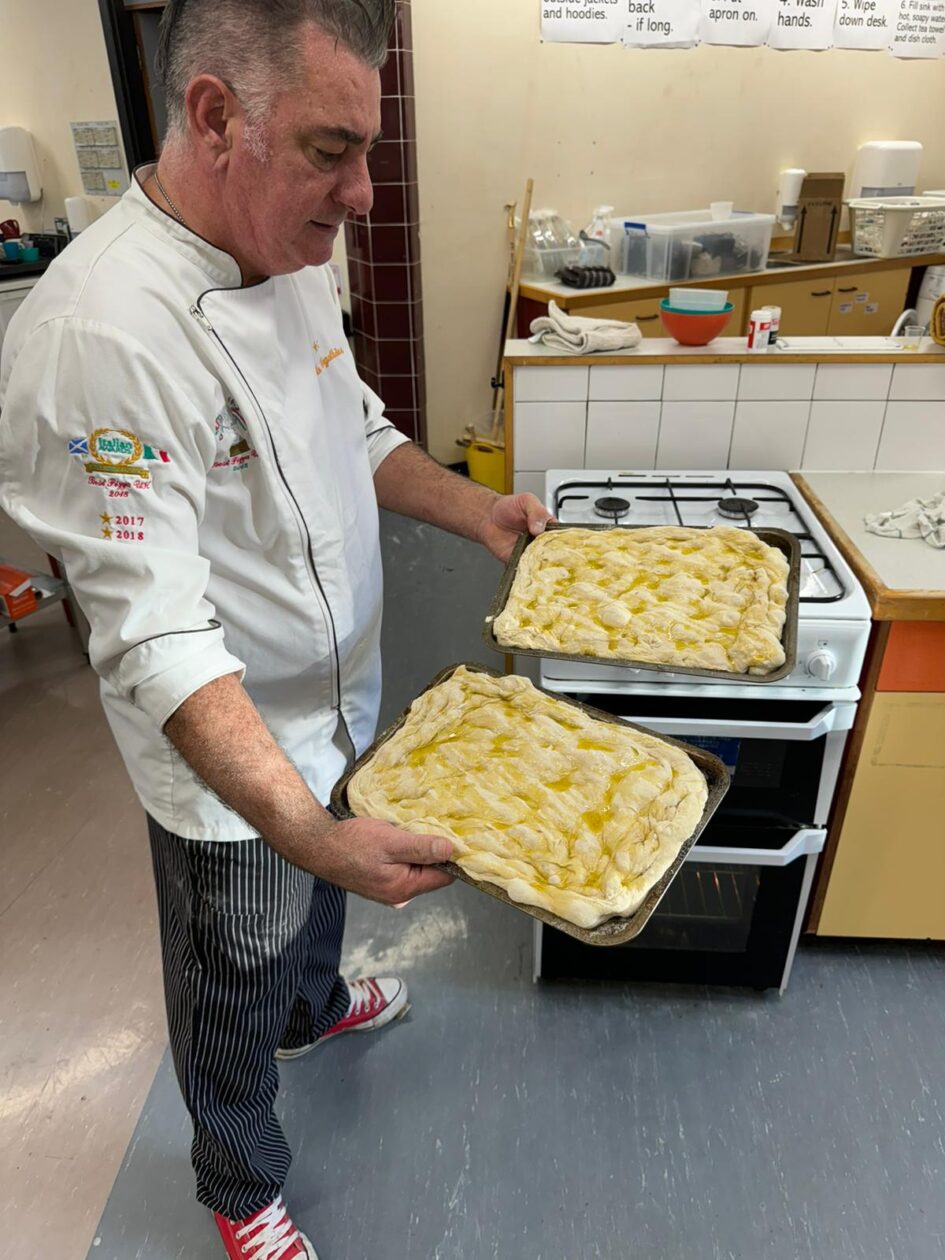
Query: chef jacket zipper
[198,314]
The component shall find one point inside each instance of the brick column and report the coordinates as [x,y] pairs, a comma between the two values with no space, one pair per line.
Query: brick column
[384,252]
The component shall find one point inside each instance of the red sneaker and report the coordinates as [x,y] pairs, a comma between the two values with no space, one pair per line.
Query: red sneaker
[266,1235]
[374,1003]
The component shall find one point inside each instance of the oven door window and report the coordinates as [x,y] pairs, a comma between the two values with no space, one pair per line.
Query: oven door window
[775,780]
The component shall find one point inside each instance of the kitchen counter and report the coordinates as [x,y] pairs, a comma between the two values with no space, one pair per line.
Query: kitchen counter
[642,287]
[886,822]
[904,578]
[522,353]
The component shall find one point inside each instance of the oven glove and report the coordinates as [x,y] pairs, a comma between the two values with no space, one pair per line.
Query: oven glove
[574,334]
[919,518]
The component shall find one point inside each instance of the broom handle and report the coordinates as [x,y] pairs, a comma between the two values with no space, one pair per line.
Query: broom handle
[513,304]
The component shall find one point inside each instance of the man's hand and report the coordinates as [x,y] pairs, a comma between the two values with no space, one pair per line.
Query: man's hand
[379,861]
[509,516]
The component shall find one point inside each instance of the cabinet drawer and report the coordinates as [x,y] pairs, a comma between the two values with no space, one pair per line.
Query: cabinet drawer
[805,305]
[868,304]
[644,312]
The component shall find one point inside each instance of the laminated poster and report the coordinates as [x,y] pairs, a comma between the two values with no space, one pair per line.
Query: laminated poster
[583,21]
[662,24]
[737,23]
[803,24]
[919,29]
[865,24]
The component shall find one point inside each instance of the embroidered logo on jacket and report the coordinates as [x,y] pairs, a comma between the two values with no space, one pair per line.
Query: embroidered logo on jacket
[117,459]
[327,359]
[232,435]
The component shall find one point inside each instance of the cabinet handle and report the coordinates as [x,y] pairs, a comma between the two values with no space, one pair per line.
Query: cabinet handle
[644,319]
[852,289]
[821,293]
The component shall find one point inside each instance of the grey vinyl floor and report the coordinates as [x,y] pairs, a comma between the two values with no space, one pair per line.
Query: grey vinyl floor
[505,1121]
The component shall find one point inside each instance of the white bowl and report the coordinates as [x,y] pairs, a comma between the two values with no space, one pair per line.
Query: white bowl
[698,299]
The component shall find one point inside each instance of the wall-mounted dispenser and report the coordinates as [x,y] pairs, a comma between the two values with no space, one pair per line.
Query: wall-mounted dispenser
[19,170]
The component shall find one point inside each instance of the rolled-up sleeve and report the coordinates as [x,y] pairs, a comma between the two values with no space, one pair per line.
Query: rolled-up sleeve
[104,462]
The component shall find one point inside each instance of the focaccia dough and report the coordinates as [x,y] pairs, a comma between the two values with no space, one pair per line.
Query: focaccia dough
[702,598]
[562,810]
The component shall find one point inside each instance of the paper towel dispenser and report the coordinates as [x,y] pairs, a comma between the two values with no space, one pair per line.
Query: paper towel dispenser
[19,169]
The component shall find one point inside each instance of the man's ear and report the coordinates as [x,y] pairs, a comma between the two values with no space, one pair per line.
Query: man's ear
[211,110]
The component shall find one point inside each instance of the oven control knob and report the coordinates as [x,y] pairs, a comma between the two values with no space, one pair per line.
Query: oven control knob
[822,664]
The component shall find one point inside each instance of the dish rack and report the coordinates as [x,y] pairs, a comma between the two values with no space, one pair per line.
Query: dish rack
[894,227]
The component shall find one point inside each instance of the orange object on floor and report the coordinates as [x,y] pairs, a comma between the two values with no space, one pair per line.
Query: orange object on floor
[915,657]
[17,596]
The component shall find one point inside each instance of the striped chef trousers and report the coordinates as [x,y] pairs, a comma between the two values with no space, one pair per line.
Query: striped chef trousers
[251,947]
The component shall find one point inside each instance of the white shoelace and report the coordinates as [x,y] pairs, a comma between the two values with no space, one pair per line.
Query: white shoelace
[276,1236]
[364,993]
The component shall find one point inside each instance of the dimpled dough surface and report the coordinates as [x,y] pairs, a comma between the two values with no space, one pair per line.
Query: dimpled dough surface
[703,598]
[561,810]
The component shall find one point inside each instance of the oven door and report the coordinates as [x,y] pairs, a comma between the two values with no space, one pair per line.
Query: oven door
[784,755]
[732,916]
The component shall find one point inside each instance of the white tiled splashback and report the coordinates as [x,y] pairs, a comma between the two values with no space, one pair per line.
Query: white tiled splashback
[765,415]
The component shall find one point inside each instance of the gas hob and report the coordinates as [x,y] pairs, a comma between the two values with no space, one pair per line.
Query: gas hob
[834,613]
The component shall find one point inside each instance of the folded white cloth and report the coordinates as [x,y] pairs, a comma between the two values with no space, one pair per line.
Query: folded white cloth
[919,518]
[572,334]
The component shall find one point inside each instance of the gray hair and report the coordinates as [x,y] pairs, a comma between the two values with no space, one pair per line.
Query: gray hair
[251,46]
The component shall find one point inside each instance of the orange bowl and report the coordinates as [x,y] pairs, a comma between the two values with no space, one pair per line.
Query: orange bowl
[694,328]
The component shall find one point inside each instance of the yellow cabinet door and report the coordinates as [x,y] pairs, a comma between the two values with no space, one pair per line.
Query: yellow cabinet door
[889,871]
[644,312]
[805,305]
[869,303]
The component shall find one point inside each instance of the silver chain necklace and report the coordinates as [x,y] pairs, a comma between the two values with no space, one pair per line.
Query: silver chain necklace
[163,191]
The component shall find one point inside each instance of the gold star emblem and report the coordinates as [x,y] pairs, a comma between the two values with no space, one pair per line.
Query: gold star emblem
[105,519]
[106,532]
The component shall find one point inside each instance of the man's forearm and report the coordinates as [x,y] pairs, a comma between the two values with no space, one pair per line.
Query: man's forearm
[219,733]
[413,484]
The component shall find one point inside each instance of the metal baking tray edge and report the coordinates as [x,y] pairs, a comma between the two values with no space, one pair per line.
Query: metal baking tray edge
[779,538]
[614,931]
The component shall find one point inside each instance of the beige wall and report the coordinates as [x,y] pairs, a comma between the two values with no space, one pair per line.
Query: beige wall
[53,71]
[642,130]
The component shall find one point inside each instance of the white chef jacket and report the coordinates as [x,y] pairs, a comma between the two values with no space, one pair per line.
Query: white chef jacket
[199,456]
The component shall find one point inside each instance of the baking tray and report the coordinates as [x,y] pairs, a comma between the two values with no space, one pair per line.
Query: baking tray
[614,931]
[779,538]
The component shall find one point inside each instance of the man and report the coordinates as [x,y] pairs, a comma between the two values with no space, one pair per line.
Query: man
[183,425]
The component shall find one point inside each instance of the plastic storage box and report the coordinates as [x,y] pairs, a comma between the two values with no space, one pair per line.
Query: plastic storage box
[894,227]
[691,244]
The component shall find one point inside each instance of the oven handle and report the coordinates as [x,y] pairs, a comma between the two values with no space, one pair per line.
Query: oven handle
[835,717]
[808,841]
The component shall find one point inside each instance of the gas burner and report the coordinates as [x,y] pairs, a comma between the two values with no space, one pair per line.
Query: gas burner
[612,506]
[737,508]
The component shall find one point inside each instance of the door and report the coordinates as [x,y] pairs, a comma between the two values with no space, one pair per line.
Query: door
[868,304]
[805,305]
[889,870]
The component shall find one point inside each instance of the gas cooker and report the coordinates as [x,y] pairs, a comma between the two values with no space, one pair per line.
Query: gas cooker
[834,615]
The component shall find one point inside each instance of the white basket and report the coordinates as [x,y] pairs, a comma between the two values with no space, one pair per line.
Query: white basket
[893,227]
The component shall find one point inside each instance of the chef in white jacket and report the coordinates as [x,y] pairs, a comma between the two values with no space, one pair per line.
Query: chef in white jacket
[182,424]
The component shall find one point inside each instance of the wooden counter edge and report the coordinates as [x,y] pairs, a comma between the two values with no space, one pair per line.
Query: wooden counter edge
[886,604]
[781,356]
[577,298]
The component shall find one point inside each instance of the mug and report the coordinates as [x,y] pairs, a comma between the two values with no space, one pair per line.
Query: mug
[12,250]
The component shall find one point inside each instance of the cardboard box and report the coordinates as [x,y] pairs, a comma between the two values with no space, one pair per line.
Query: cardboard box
[819,209]
[17,597]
